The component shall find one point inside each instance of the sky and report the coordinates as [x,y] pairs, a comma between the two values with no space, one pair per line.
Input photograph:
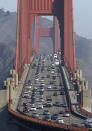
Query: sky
[82,15]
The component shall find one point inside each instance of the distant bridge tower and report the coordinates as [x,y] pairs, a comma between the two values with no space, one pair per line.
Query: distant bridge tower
[30,9]
[46,32]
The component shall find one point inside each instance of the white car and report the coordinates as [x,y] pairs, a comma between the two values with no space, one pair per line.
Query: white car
[42,84]
[59,120]
[55,55]
[41,89]
[33,108]
[66,114]
[29,87]
[49,87]
[39,106]
[52,72]
[42,80]
[35,88]
[53,64]
[37,79]
[56,62]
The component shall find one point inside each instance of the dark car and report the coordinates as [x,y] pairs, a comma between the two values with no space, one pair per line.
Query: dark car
[41,92]
[54,116]
[48,98]
[61,112]
[55,94]
[47,118]
[35,115]
[49,104]
[46,112]
[25,109]
[54,87]
[24,104]
[62,93]
[54,77]
[58,104]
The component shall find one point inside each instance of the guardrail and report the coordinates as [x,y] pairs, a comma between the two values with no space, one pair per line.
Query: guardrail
[86,113]
[45,123]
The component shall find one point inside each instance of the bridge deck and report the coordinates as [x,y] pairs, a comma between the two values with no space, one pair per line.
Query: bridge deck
[42,74]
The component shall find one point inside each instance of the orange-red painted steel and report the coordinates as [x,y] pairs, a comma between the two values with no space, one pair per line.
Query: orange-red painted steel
[36,35]
[56,36]
[69,43]
[27,10]
[46,123]
[45,32]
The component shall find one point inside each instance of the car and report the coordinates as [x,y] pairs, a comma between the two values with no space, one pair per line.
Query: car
[33,91]
[29,87]
[58,104]
[51,82]
[29,81]
[39,106]
[24,104]
[66,114]
[53,65]
[88,122]
[35,115]
[62,93]
[56,62]
[42,84]
[41,92]
[41,96]
[55,94]
[46,112]
[62,89]
[32,104]
[59,120]
[49,87]
[25,110]
[37,79]
[52,72]
[35,88]
[55,55]
[25,96]
[64,105]
[33,96]
[41,89]
[48,98]
[41,100]
[49,104]
[33,108]
[47,118]
[67,110]
[54,116]
[54,87]
[41,79]
[27,92]
[53,77]
[61,112]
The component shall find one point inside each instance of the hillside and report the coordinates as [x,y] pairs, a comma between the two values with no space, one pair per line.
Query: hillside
[8,22]
[7,54]
[8,27]
[84,54]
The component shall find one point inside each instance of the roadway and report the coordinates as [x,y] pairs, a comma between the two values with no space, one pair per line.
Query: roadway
[44,73]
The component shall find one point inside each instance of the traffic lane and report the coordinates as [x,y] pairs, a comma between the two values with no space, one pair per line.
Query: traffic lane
[53,109]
